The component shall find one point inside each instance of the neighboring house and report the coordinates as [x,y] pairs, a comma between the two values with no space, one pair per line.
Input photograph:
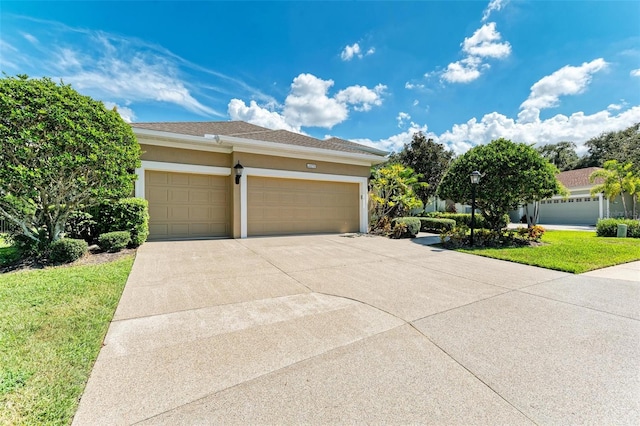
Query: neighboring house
[579,208]
[290,183]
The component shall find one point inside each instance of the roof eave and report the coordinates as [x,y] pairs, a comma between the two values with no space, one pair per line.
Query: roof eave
[223,143]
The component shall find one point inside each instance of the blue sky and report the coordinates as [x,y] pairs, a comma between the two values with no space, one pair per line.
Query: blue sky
[463,72]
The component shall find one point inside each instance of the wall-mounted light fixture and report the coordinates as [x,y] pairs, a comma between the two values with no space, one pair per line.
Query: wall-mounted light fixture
[238,169]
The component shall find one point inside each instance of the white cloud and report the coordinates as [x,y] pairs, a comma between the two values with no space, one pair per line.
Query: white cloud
[126,113]
[577,127]
[416,102]
[309,105]
[402,118]
[258,115]
[615,107]
[140,79]
[635,73]
[464,71]
[485,42]
[496,5]
[361,97]
[396,142]
[350,51]
[30,38]
[568,80]
[411,86]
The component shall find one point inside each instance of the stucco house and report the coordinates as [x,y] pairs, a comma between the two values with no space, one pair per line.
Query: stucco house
[235,179]
[580,207]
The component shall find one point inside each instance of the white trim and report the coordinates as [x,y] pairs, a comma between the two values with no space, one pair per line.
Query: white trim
[162,166]
[243,204]
[600,206]
[286,174]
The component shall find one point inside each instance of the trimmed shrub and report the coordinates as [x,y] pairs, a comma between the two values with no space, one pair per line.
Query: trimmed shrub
[129,214]
[67,250]
[80,225]
[438,225]
[405,227]
[609,227]
[114,241]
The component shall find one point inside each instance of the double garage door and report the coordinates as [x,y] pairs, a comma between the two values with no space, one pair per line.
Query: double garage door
[574,211]
[199,206]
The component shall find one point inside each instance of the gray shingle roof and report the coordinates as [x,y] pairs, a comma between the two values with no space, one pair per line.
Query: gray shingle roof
[577,178]
[245,130]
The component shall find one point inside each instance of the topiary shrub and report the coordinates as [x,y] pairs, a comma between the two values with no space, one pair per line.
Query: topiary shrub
[609,227]
[405,227]
[130,214]
[437,225]
[114,241]
[67,250]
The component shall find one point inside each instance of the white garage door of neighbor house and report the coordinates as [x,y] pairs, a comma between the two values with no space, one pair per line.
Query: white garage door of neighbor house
[573,211]
[183,205]
[277,206]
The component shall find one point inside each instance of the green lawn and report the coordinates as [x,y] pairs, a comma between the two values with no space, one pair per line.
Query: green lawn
[569,251]
[52,324]
[8,254]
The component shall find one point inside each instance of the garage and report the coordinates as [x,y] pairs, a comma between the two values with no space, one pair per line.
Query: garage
[575,211]
[280,206]
[184,205]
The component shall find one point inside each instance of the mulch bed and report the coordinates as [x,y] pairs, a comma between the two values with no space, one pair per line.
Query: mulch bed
[93,257]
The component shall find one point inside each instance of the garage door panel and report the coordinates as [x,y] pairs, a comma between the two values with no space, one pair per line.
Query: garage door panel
[183,205]
[291,206]
[179,179]
[179,196]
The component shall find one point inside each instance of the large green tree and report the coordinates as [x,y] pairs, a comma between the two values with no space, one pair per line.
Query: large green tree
[616,179]
[427,158]
[59,151]
[512,174]
[622,146]
[562,155]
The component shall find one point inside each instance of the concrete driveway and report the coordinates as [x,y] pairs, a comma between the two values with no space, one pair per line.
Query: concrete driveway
[336,329]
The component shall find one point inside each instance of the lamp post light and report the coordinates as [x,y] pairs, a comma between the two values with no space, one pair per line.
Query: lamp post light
[475,180]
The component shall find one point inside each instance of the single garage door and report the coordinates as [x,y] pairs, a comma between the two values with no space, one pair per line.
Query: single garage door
[290,206]
[185,205]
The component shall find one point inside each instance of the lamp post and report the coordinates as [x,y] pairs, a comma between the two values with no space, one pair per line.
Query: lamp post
[475,180]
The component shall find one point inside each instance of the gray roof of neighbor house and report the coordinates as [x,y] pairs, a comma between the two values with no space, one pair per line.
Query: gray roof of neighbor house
[241,129]
[577,178]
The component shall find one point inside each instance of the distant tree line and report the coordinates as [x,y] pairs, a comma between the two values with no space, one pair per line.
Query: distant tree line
[622,146]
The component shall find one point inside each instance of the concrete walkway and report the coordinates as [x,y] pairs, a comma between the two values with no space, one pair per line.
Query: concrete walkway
[361,329]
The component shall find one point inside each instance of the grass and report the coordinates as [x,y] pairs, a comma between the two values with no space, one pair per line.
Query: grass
[8,253]
[569,251]
[52,324]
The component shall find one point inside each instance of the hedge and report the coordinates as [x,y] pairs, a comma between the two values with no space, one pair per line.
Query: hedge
[126,214]
[609,227]
[438,225]
[114,241]
[67,250]
[405,227]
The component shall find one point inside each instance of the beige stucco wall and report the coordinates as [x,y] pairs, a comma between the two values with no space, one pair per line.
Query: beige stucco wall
[184,156]
[299,165]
